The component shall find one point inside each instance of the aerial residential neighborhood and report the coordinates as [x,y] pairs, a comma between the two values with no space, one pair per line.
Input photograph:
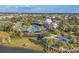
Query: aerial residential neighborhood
[39,29]
[42,32]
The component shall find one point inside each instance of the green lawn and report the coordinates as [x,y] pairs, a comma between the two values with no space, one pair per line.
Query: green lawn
[24,42]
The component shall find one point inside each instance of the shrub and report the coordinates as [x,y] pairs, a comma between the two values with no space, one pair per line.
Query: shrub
[49,42]
[62,44]
[2,29]
[57,32]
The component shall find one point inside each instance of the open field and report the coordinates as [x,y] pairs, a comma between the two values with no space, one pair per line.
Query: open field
[23,42]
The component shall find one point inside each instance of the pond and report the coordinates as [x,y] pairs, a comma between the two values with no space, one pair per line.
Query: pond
[4,49]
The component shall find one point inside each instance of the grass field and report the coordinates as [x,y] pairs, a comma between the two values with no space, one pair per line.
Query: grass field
[24,42]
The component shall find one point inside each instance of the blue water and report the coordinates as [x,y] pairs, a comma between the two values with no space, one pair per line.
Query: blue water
[5,49]
[40,8]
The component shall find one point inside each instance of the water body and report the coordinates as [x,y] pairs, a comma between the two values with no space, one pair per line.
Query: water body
[4,49]
[40,8]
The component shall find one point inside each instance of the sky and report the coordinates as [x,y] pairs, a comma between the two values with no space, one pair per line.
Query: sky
[40,8]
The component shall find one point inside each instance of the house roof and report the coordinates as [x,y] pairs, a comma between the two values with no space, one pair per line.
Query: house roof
[23,29]
[59,38]
[1,26]
[48,21]
[39,22]
[34,28]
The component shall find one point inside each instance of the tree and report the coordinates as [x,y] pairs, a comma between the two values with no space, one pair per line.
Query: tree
[57,32]
[48,34]
[48,42]
[8,27]
[63,25]
[14,19]
[63,44]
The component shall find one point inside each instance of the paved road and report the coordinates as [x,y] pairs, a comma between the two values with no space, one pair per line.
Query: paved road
[4,49]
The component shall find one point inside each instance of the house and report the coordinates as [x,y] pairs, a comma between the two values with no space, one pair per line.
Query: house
[2,27]
[46,26]
[16,26]
[61,38]
[34,29]
[48,21]
[51,26]
[66,38]
[38,22]
[6,16]
[23,31]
